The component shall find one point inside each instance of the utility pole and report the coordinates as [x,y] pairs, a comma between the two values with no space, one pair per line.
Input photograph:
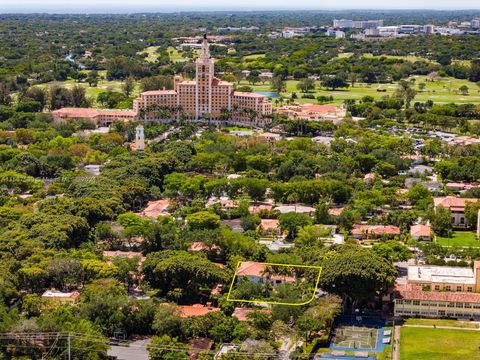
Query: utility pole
[69,348]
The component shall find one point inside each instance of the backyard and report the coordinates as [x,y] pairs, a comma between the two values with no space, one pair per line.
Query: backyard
[459,239]
[439,344]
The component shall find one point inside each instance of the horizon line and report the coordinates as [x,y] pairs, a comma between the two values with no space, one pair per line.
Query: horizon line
[128,10]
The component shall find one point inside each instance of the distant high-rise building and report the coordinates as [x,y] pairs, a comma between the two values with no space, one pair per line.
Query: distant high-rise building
[429,29]
[357,24]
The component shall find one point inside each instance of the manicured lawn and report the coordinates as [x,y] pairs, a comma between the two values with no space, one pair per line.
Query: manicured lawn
[92,92]
[175,55]
[236,128]
[151,52]
[439,344]
[410,58]
[442,322]
[253,57]
[459,238]
[442,91]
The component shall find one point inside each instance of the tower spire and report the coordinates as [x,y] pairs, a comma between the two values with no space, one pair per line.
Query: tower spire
[205,47]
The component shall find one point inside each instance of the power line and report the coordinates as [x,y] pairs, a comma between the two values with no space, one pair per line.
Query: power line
[93,339]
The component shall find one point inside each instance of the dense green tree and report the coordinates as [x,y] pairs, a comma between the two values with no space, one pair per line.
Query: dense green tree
[442,222]
[356,274]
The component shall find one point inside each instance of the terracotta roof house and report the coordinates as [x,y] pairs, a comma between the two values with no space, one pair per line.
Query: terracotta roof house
[258,273]
[335,211]
[224,202]
[456,207]
[459,186]
[270,137]
[195,310]
[155,209]
[270,227]
[256,208]
[421,232]
[362,232]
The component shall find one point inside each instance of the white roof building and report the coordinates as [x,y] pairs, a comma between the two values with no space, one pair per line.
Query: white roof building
[441,274]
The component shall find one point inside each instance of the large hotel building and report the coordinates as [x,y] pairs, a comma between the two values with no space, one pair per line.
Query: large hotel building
[205,98]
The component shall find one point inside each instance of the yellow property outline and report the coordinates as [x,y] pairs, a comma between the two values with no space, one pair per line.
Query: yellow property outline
[276,302]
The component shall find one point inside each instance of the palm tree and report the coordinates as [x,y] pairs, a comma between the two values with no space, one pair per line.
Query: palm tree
[253,116]
[225,114]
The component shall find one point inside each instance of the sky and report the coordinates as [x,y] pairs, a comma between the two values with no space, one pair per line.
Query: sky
[122,6]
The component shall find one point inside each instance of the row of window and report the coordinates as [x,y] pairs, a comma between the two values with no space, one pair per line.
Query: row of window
[458,288]
[437,313]
[437,304]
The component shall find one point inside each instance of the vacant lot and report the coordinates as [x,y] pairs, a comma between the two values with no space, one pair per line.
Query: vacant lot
[439,344]
[459,238]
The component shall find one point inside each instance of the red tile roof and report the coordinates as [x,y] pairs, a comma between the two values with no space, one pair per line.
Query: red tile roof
[248,94]
[196,310]
[92,113]
[335,211]
[159,92]
[254,209]
[270,224]
[375,229]
[421,230]
[415,292]
[155,208]
[252,268]
[452,202]
[320,108]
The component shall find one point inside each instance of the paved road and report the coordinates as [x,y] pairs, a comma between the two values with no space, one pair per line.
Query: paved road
[137,350]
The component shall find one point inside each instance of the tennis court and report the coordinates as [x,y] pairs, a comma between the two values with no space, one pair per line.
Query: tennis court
[355,337]
[358,333]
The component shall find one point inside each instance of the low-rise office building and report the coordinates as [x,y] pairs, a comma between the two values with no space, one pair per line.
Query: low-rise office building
[439,291]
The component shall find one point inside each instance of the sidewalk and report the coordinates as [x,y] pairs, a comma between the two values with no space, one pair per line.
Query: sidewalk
[396,343]
[442,327]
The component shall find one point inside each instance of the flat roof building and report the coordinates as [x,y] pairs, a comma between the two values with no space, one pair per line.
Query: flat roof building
[439,291]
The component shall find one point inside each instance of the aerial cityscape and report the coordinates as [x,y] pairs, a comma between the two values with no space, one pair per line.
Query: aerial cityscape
[216,183]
